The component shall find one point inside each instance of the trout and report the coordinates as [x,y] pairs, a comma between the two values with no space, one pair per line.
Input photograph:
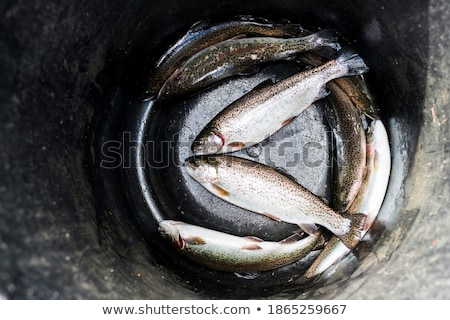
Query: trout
[225,252]
[350,144]
[267,108]
[264,190]
[202,35]
[238,56]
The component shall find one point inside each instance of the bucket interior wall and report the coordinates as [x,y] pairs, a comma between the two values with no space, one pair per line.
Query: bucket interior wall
[70,71]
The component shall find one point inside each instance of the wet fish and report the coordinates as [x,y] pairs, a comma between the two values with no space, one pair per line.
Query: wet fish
[202,35]
[369,199]
[262,189]
[225,252]
[372,192]
[264,110]
[355,87]
[237,56]
[350,145]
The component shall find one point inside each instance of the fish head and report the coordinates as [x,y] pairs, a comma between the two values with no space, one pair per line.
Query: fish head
[209,141]
[202,168]
[170,231]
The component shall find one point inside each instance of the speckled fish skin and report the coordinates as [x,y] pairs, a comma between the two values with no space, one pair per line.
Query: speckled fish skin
[202,35]
[262,189]
[235,56]
[264,110]
[355,86]
[369,199]
[350,145]
[225,252]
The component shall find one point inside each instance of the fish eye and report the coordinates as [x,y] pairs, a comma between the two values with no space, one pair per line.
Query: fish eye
[212,160]
[196,162]
[199,143]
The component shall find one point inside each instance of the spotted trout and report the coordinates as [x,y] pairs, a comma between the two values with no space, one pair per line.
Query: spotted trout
[264,190]
[267,108]
[238,56]
[203,34]
[225,252]
[369,199]
[349,160]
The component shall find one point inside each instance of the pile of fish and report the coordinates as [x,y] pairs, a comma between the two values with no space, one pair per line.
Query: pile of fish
[208,54]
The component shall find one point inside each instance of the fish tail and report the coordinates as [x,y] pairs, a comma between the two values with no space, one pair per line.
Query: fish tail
[354,234]
[355,64]
[325,38]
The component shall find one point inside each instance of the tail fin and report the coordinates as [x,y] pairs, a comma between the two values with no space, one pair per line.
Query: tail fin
[355,64]
[353,236]
[325,38]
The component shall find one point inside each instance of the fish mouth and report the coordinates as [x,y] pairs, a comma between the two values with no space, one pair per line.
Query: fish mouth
[192,166]
[168,230]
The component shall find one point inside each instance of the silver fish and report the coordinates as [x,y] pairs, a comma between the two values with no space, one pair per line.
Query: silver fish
[237,56]
[225,252]
[264,110]
[369,199]
[350,145]
[372,192]
[355,87]
[202,35]
[262,189]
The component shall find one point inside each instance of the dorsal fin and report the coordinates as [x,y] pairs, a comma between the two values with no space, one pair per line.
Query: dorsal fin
[200,26]
[271,216]
[263,85]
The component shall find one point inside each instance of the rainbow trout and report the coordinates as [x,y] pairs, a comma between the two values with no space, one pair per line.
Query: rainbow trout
[262,189]
[237,56]
[369,199]
[267,108]
[350,145]
[202,35]
[225,252]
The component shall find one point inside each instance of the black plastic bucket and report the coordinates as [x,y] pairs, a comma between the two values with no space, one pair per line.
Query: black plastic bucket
[71,78]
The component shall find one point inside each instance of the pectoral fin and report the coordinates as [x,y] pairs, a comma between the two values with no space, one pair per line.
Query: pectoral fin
[195,241]
[271,216]
[219,191]
[236,145]
[287,121]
